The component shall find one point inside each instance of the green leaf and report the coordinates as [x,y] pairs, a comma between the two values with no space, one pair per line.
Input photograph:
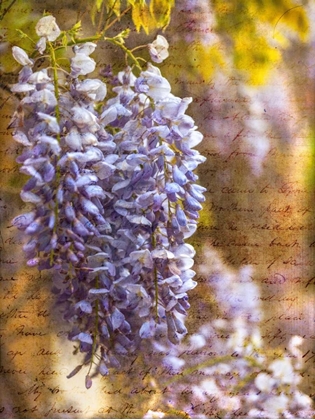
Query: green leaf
[76,27]
[161,12]
[22,34]
[254,30]
[64,40]
[113,5]
[73,32]
[98,4]
[142,17]
[122,36]
[93,13]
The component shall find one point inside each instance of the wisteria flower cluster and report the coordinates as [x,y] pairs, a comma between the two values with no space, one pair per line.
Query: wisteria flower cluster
[225,369]
[113,196]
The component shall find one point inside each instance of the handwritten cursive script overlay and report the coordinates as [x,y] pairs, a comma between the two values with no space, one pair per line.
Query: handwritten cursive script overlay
[264,219]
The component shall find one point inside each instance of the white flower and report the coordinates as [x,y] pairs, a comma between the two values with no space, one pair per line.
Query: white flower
[173,108]
[41,45]
[302,400]
[264,382]
[22,87]
[238,338]
[126,75]
[210,386]
[44,96]
[175,362]
[50,121]
[21,57]
[296,340]
[197,341]
[84,118]
[229,403]
[254,413]
[21,138]
[159,49]
[204,389]
[109,115]
[282,370]
[40,76]
[162,253]
[89,139]
[154,415]
[73,139]
[48,28]
[93,88]
[276,405]
[294,343]
[153,84]
[87,48]
[256,339]
[81,65]
[143,256]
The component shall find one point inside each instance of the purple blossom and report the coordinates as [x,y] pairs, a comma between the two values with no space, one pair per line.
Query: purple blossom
[113,199]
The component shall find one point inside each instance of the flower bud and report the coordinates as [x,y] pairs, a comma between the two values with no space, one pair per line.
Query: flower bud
[159,49]
[21,57]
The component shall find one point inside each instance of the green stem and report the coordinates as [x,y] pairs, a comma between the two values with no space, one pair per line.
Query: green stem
[101,16]
[156,293]
[83,40]
[57,113]
[117,18]
[114,41]
[156,298]
[100,35]
[56,87]
[7,9]
[94,345]
[213,361]
[190,370]
[126,50]
[139,47]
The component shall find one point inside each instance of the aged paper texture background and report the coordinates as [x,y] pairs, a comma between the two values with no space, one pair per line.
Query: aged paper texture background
[259,144]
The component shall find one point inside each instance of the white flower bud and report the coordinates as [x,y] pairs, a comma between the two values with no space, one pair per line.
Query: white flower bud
[264,382]
[41,45]
[159,49]
[21,57]
[87,48]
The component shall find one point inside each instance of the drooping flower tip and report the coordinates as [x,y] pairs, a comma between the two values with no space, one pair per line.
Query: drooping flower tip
[158,49]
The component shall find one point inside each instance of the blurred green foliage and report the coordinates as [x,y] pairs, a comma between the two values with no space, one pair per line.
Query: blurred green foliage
[145,15]
[251,34]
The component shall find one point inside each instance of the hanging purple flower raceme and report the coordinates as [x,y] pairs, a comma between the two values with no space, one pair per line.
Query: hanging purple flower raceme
[113,196]
[156,195]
